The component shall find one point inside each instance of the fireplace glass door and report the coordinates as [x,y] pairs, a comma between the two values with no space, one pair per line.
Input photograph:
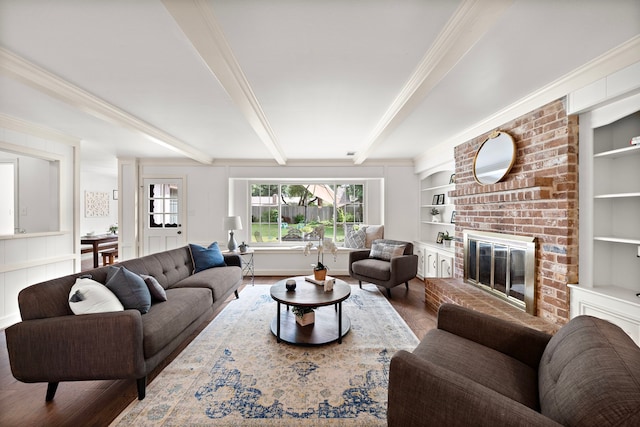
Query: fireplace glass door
[502,266]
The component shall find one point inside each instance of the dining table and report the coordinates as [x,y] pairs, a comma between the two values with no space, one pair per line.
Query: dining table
[95,242]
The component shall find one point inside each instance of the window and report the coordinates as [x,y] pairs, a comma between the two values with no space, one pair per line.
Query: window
[288,212]
[163,205]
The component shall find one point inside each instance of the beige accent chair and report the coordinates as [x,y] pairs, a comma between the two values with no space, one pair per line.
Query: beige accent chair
[388,263]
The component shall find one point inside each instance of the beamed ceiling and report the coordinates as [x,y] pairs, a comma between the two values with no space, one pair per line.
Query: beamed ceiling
[284,81]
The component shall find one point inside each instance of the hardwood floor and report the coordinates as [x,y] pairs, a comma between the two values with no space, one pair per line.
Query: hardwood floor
[97,403]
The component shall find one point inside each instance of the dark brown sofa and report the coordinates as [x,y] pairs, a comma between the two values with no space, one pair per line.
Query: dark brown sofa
[51,344]
[478,370]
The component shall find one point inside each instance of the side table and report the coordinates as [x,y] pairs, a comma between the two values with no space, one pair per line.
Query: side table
[246,258]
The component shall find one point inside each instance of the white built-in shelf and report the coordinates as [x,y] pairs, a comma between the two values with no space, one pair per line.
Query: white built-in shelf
[438,223]
[440,246]
[616,195]
[437,206]
[620,152]
[614,239]
[440,187]
[617,293]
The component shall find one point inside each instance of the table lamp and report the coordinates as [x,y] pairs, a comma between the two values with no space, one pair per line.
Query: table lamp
[232,223]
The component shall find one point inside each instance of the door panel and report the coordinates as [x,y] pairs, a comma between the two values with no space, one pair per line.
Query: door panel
[163,216]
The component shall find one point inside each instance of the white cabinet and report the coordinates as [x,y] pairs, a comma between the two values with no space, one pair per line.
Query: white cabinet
[609,238]
[433,262]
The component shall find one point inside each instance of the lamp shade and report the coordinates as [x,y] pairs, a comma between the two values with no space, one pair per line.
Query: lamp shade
[232,223]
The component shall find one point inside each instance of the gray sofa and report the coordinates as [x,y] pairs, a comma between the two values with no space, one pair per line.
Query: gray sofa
[478,370]
[51,344]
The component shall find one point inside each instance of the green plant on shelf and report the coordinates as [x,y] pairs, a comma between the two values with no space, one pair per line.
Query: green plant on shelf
[435,211]
[301,311]
[447,236]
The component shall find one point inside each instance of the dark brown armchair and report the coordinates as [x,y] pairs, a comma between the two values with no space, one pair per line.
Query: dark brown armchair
[388,263]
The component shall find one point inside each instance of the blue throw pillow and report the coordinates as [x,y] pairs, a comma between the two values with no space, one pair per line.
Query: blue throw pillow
[204,258]
[130,288]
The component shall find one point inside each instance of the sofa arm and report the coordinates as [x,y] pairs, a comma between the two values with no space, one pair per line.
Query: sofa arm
[404,267]
[357,255]
[232,260]
[83,347]
[518,341]
[422,393]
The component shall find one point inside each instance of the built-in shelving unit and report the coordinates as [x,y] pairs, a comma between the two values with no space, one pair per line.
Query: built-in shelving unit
[610,217]
[436,259]
[431,187]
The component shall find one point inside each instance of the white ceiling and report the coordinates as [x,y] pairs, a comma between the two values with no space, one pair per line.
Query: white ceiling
[287,80]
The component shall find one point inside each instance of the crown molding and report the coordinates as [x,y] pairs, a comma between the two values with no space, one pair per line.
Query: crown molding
[198,22]
[614,60]
[463,30]
[37,130]
[46,82]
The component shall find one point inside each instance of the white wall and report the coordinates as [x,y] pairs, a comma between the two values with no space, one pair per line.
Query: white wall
[98,182]
[26,259]
[213,192]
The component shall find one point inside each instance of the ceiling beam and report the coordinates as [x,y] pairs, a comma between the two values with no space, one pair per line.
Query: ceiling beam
[199,24]
[463,30]
[48,83]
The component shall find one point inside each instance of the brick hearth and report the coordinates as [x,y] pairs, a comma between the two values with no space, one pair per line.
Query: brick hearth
[439,291]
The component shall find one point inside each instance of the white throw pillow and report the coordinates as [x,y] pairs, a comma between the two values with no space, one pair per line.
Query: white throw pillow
[88,296]
[374,232]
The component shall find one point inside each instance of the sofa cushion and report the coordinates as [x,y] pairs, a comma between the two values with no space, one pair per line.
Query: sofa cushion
[483,365]
[355,239]
[130,288]
[88,296]
[373,232]
[385,251]
[166,320]
[372,268]
[590,375]
[220,281]
[155,288]
[205,258]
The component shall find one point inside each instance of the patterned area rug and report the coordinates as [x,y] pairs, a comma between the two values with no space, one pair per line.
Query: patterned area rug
[236,374]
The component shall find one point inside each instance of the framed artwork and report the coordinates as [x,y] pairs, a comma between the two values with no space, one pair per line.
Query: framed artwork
[440,199]
[96,204]
[452,179]
[436,197]
[453,217]
[440,237]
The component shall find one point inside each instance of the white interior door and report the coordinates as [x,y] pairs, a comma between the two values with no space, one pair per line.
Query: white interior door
[163,215]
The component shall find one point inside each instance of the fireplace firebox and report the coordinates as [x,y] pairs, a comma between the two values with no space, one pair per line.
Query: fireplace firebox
[503,265]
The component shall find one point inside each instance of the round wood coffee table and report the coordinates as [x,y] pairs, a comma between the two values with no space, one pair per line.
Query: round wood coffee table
[329,326]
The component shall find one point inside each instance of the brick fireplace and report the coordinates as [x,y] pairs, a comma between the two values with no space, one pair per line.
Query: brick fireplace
[538,198]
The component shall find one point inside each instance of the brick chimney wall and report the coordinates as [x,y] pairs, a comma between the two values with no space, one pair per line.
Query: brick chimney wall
[539,197]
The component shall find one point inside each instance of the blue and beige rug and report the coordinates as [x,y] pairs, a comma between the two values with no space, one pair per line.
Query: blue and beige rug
[236,374]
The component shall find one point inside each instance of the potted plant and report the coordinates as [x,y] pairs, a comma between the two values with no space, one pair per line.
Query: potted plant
[446,239]
[113,229]
[435,215]
[319,268]
[304,315]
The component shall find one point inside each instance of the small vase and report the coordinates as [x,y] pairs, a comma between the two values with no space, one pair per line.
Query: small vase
[320,274]
[306,319]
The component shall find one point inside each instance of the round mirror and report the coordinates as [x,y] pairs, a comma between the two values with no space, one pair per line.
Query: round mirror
[494,158]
